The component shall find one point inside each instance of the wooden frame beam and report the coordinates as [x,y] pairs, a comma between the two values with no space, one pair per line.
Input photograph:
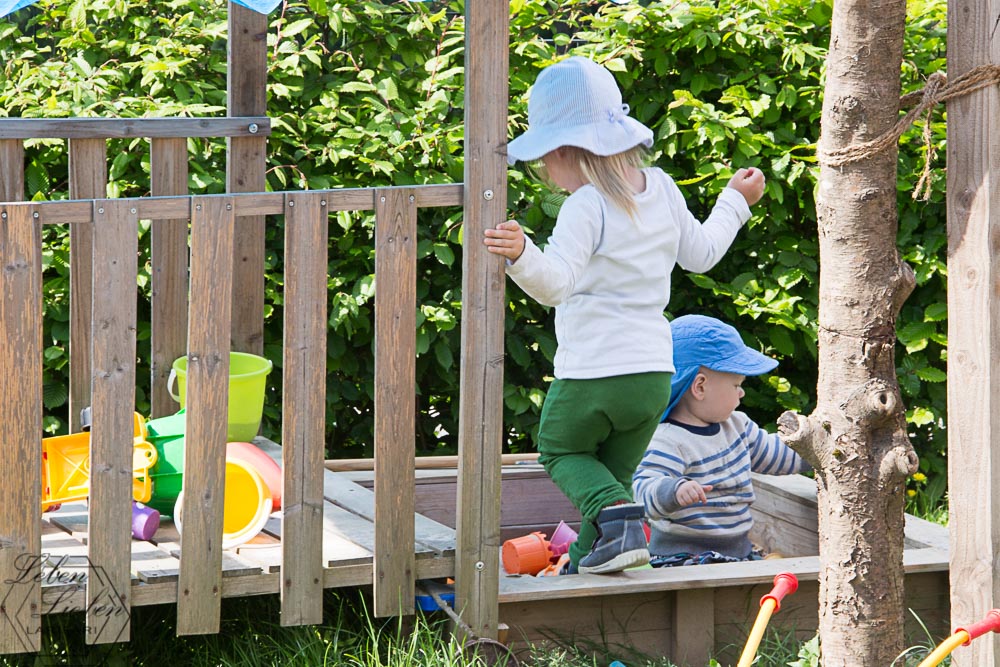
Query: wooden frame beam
[480,430]
[974,327]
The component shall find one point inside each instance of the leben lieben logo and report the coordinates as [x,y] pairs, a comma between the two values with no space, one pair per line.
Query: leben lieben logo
[108,615]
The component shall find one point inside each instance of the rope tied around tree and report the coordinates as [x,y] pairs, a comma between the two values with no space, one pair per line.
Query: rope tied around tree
[936,91]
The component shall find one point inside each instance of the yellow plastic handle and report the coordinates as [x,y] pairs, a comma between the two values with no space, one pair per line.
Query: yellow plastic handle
[144,456]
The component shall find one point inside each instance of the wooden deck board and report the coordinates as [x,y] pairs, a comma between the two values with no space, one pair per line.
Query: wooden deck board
[252,568]
[521,588]
[432,538]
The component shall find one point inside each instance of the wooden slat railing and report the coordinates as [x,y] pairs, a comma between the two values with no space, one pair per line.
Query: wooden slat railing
[88,179]
[109,580]
[21,417]
[214,219]
[133,128]
[304,408]
[395,387]
[168,254]
[199,589]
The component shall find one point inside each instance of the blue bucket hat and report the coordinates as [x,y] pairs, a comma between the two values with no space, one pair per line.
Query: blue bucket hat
[705,341]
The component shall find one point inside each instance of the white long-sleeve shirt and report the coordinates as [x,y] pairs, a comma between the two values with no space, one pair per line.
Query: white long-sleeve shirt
[608,275]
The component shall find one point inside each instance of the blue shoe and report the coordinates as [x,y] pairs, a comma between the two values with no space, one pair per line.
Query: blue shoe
[621,541]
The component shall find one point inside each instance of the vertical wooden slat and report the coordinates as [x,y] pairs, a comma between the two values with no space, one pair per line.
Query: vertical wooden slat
[303,422]
[169,257]
[88,179]
[11,170]
[200,582]
[692,630]
[245,171]
[974,328]
[109,582]
[21,419]
[395,401]
[481,410]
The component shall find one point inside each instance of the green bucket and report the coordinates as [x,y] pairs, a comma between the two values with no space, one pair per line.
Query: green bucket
[247,375]
[167,474]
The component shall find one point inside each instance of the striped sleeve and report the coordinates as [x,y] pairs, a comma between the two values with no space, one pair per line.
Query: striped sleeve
[768,454]
[655,481]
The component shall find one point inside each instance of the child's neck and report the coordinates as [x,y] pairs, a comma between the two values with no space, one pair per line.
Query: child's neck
[682,415]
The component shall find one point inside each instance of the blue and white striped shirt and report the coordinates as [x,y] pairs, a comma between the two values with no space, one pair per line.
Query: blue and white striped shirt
[721,455]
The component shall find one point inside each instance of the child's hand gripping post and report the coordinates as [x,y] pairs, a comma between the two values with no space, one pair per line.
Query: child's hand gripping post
[784,584]
[963,637]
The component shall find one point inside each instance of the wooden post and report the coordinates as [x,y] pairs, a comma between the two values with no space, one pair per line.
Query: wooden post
[480,426]
[88,179]
[199,589]
[245,172]
[395,398]
[21,417]
[692,629]
[109,546]
[168,164]
[303,422]
[974,328]
[11,170]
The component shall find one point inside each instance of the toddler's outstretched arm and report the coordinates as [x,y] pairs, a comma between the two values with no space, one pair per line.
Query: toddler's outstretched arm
[749,183]
[507,240]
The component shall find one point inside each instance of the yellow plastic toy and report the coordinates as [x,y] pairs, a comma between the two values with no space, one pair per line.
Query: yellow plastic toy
[962,637]
[66,466]
[785,583]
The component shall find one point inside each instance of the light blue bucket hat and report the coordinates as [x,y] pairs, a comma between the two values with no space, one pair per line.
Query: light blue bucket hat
[576,102]
[705,341]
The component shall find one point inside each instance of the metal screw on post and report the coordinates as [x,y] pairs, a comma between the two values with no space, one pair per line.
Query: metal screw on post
[253,128]
[488,195]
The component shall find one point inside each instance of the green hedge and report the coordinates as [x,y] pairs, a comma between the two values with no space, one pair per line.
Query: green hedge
[368,93]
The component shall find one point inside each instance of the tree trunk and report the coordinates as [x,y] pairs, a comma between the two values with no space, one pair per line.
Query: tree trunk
[856,439]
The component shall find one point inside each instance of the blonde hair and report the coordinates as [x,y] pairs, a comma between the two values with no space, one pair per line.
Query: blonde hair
[607,173]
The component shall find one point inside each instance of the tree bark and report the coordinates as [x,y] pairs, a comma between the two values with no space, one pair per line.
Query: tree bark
[856,438]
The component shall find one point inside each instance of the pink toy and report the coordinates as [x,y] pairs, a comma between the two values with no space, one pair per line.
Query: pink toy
[269,471]
[561,539]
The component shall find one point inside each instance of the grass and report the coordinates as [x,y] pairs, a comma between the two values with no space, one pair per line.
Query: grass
[250,636]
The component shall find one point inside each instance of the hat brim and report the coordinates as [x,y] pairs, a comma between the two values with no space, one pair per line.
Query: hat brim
[748,362]
[604,138]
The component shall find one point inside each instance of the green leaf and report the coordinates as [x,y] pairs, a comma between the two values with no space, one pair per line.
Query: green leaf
[931,374]
[936,312]
[782,341]
[444,253]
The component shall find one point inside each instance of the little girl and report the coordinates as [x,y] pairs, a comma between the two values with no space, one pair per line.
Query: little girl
[606,269]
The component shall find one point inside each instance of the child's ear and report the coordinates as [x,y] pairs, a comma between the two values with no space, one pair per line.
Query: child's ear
[697,388]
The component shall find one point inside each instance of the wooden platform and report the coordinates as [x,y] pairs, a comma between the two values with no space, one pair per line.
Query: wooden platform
[251,569]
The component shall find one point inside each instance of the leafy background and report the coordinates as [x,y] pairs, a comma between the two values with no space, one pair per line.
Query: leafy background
[371,93]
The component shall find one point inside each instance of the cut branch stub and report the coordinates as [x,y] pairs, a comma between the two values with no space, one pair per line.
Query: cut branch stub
[874,403]
[898,463]
[804,435]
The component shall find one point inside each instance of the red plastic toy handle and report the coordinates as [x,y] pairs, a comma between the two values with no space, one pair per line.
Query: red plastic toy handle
[989,624]
[784,584]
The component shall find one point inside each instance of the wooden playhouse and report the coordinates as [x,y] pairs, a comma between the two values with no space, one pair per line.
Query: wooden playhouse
[395,529]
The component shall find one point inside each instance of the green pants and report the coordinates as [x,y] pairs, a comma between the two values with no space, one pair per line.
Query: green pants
[592,436]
